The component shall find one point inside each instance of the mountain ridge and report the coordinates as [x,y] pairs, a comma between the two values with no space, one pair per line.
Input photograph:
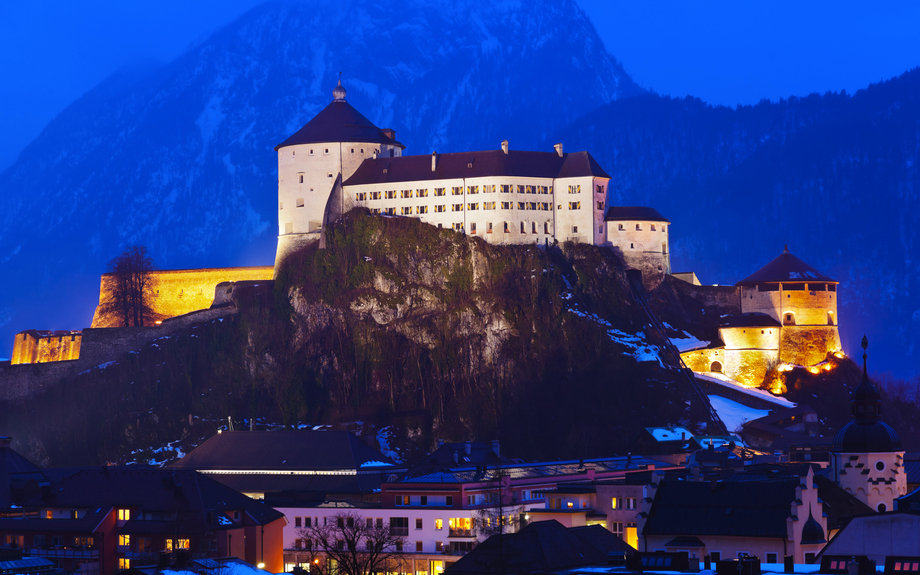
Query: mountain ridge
[182,161]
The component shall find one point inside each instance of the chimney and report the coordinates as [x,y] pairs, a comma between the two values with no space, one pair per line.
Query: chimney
[389,133]
[558,148]
[434,161]
[505,146]
[469,448]
[495,448]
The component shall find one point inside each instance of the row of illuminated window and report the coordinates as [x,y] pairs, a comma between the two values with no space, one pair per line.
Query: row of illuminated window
[652,227]
[470,190]
[457,526]
[425,500]
[452,547]
[797,287]
[472,207]
[623,503]
[326,151]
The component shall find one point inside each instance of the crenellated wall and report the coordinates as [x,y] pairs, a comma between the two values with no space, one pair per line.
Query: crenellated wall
[35,346]
[178,292]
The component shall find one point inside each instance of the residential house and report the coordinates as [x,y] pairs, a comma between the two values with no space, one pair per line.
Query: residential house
[288,466]
[105,519]
[768,518]
[445,514]
[541,547]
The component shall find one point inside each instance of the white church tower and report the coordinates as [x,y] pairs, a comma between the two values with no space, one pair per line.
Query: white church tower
[334,142]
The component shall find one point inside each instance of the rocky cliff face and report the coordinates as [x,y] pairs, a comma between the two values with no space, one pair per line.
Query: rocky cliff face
[180,158]
[396,323]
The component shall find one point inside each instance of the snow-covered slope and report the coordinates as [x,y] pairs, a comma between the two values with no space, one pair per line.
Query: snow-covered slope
[179,158]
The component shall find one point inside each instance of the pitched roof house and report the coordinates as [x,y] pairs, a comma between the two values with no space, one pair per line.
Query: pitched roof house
[111,517]
[764,517]
[293,465]
[541,547]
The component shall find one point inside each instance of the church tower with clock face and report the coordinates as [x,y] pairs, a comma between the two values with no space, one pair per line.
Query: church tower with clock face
[866,457]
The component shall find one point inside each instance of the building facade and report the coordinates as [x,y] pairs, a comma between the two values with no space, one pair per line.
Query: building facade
[788,316]
[504,196]
[866,457]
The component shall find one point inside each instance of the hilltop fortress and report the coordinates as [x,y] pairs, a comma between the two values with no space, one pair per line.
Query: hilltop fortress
[785,313]
[340,160]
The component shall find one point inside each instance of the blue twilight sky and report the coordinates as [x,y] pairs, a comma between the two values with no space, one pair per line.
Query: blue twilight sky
[724,52]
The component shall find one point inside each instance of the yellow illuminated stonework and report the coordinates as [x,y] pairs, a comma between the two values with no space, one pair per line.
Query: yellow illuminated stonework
[36,346]
[177,292]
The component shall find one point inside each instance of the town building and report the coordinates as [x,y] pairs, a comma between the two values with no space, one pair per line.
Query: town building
[294,465]
[866,457]
[767,518]
[444,514]
[541,547]
[105,519]
[788,316]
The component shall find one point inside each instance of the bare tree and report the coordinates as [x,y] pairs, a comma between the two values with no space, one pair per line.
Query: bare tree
[129,294]
[350,544]
[503,513]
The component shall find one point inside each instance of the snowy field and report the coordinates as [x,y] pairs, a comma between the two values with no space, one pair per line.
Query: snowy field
[734,385]
[733,414]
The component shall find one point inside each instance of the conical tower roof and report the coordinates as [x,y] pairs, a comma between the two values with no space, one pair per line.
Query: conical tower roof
[339,122]
[786,268]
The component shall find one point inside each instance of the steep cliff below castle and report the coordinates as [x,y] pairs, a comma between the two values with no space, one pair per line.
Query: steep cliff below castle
[396,322]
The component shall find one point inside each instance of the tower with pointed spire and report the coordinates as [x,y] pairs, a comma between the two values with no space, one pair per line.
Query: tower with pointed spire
[866,456]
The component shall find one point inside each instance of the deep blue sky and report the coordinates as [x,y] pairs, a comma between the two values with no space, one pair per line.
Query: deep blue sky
[723,52]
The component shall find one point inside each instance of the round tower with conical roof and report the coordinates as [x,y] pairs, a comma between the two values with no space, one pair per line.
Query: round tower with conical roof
[336,141]
[866,456]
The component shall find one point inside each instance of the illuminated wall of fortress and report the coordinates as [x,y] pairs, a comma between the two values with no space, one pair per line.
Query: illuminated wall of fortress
[177,292]
[34,346]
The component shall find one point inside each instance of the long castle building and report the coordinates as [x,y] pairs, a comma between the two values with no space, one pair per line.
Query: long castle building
[504,196]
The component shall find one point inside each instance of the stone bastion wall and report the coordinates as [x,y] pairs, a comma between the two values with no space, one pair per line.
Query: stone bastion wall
[178,292]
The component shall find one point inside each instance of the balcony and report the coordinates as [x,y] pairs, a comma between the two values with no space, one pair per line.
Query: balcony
[62,553]
[399,531]
[460,532]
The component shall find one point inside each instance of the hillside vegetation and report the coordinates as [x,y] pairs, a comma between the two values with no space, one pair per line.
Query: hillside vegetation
[397,322]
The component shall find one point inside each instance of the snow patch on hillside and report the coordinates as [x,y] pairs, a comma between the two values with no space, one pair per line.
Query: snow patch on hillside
[733,414]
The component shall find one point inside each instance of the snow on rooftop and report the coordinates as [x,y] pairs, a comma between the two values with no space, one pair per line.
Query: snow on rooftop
[374,464]
[733,414]
[670,433]
[734,385]
[688,343]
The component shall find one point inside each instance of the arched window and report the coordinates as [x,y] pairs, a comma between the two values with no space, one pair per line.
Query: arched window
[716,367]
[789,319]
[882,508]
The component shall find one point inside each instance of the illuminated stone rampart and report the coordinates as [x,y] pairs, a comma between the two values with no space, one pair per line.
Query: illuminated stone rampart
[178,292]
[808,345]
[792,303]
[35,346]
